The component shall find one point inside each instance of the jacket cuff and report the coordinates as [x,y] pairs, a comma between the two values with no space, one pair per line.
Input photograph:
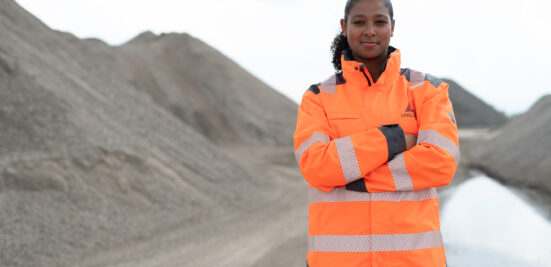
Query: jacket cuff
[358,186]
[395,139]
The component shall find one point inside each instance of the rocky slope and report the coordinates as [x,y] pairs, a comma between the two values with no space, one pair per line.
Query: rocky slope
[208,91]
[519,153]
[472,112]
[105,146]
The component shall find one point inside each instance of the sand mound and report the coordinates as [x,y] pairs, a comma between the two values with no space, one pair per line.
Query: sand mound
[519,153]
[208,91]
[102,147]
[472,112]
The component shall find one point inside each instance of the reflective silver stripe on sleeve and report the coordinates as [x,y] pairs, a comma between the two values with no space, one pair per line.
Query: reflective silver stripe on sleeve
[417,78]
[397,167]
[348,159]
[452,118]
[315,138]
[340,194]
[371,243]
[330,85]
[434,138]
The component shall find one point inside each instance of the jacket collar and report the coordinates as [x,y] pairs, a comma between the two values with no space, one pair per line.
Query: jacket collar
[352,70]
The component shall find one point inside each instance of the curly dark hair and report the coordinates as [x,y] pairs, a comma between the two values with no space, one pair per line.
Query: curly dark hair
[340,43]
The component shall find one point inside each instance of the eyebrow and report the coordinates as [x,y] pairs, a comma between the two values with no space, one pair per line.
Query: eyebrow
[377,15]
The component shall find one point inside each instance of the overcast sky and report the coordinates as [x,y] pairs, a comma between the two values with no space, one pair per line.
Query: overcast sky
[499,50]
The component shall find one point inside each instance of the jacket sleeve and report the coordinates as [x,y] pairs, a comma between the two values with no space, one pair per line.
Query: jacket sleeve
[430,163]
[326,161]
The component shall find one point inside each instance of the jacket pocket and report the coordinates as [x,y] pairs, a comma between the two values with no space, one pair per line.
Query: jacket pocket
[345,123]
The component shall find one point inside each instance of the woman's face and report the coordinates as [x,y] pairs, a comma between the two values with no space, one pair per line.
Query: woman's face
[368,30]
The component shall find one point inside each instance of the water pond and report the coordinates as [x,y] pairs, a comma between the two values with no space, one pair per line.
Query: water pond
[485,224]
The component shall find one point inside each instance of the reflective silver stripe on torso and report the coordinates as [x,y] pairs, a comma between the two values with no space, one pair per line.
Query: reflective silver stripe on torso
[399,172]
[348,159]
[315,138]
[370,243]
[340,194]
[434,138]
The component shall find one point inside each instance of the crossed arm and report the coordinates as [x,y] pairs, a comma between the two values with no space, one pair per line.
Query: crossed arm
[384,158]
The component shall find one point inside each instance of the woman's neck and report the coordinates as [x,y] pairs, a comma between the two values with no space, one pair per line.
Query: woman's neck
[374,66]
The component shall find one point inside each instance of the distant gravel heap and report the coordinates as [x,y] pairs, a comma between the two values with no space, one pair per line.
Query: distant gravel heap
[520,154]
[470,111]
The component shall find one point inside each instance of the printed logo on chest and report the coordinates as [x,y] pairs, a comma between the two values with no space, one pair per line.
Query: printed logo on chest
[409,113]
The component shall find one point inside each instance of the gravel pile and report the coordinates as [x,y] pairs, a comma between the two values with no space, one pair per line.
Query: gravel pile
[102,147]
[472,112]
[518,155]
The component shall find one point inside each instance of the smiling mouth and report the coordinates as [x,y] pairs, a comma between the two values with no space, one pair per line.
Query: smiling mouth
[368,44]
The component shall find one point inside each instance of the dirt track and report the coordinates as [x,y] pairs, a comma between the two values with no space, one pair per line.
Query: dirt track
[274,235]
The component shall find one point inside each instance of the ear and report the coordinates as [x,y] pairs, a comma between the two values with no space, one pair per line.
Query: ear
[392,29]
[343,27]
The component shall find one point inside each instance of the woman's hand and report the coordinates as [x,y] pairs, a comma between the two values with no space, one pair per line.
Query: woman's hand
[411,140]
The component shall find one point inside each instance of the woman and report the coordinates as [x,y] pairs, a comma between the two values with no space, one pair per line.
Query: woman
[373,141]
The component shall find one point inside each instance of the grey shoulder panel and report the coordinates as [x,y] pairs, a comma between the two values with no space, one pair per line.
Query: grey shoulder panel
[417,78]
[405,72]
[314,88]
[435,81]
[330,85]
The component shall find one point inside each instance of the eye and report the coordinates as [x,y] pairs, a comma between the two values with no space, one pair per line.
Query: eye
[358,22]
[381,22]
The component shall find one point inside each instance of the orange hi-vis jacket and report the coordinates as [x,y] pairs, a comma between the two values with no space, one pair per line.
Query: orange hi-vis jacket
[372,202]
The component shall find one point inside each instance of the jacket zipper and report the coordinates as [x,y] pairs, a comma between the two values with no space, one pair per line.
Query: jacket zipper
[370,218]
[362,69]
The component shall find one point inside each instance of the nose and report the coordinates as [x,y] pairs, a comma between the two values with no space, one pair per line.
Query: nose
[369,31]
